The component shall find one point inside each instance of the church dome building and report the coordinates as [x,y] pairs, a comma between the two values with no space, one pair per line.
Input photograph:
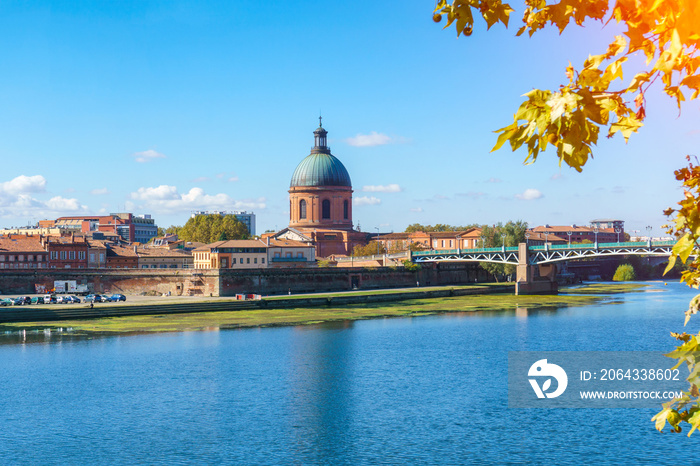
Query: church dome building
[320,202]
[320,193]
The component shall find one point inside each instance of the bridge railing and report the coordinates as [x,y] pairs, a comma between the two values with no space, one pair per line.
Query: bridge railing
[602,245]
[433,252]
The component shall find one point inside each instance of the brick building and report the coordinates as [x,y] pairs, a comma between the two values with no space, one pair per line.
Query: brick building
[22,252]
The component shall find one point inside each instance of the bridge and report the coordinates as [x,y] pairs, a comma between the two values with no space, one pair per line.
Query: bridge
[536,265]
[546,254]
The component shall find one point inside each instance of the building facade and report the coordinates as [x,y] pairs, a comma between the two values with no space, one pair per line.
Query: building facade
[22,252]
[320,201]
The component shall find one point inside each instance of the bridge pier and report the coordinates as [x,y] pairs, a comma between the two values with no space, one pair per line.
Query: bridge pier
[534,279]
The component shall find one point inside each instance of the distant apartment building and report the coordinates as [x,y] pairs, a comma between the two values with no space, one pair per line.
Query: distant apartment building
[21,252]
[129,227]
[603,231]
[246,218]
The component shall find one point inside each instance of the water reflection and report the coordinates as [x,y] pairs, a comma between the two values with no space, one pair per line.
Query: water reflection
[321,388]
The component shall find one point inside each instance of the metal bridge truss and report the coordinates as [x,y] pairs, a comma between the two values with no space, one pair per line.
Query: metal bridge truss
[548,254]
[557,255]
[499,257]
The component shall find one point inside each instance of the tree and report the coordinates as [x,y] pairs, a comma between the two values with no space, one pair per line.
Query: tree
[510,234]
[415,227]
[624,273]
[570,118]
[211,228]
[374,247]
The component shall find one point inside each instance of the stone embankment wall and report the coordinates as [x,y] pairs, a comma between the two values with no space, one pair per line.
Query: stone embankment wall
[232,282]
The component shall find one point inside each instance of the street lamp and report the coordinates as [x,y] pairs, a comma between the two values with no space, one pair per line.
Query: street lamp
[595,230]
[569,233]
[503,236]
[618,231]
[527,238]
[377,239]
[649,234]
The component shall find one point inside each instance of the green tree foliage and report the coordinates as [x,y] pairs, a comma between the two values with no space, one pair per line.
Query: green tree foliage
[372,248]
[211,228]
[624,273]
[596,96]
[512,233]
[411,266]
[173,230]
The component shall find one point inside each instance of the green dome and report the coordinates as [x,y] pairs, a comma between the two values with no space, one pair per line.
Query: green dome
[319,169]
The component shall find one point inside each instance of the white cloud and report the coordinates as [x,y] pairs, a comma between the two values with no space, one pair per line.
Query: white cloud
[201,179]
[557,176]
[529,194]
[99,192]
[147,155]
[24,184]
[167,199]
[233,179]
[16,199]
[417,209]
[494,180]
[369,140]
[366,200]
[389,188]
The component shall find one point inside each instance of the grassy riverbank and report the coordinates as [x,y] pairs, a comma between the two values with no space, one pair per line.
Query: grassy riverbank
[508,303]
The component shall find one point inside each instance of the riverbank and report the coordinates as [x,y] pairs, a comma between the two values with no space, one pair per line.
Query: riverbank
[285,311]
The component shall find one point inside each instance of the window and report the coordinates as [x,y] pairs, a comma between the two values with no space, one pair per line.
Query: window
[20,257]
[442,243]
[102,257]
[302,209]
[30,258]
[12,258]
[247,260]
[326,209]
[92,257]
[63,254]
[71,255]
[435,243]
[81,255]
[300,254]
[233,260]
[346,209]
[2,258]
[263,260]
[289,254]
[450,243]
[277,254]
[255,261]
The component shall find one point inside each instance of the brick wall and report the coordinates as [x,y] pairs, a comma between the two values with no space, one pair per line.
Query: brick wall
[231,282]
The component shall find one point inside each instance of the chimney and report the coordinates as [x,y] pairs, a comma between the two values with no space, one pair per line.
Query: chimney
[268,240]
[135,252]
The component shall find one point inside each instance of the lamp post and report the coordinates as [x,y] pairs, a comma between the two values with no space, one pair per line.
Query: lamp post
[595,231]
[546,235]
[459,244]
[503,236]
[618,231]
[377,239]
[569,233]
[527,238]
[483,242]
[649,234]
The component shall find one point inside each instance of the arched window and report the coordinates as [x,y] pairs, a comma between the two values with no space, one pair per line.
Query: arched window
[326,209]
[346,210]
[302,209]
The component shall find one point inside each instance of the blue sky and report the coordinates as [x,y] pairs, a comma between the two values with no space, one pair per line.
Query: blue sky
[164,107]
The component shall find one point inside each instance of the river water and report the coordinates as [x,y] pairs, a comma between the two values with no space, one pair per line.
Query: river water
[429,390]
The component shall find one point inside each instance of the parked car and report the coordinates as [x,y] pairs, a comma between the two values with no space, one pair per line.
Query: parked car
[71,300]
[19,301]
[6,302]
[117,297]
[38,300]
[93,298]
[50,299]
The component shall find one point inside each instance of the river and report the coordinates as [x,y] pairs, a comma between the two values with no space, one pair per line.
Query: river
[430,390]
